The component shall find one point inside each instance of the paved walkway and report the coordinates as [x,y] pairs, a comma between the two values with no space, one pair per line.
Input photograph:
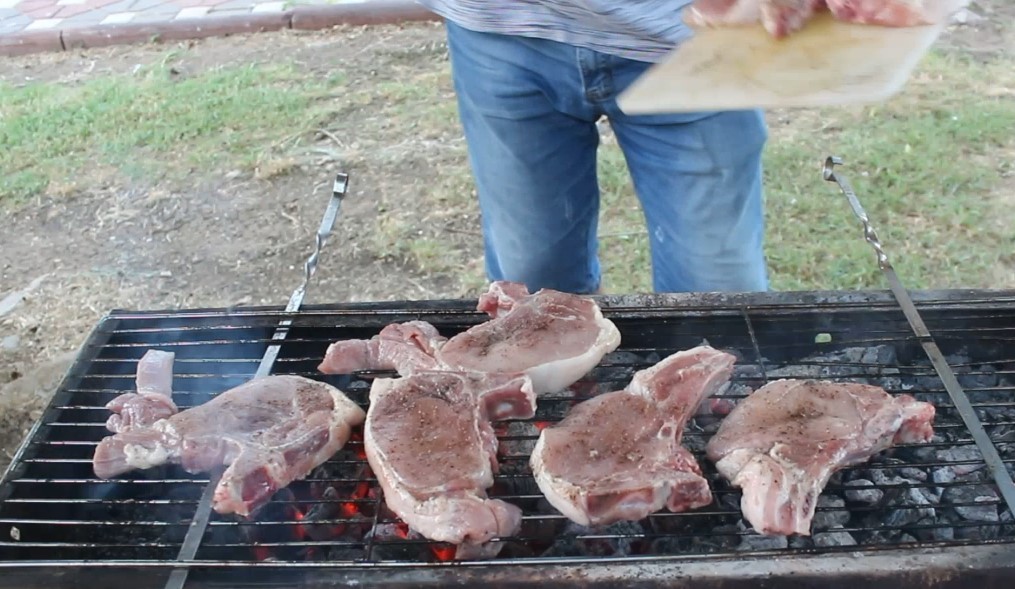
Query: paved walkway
[28,26]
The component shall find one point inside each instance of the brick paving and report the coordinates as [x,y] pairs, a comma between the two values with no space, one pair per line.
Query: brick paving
[28,26]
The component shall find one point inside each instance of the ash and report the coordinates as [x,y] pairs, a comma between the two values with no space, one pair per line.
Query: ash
[392,541]
[619,539]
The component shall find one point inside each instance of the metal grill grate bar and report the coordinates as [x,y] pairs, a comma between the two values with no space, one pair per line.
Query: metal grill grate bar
[64,513]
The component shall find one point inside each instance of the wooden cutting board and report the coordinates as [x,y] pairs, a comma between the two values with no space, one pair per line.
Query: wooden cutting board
[828,63]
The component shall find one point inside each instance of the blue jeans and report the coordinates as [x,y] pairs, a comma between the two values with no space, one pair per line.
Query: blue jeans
[529,108]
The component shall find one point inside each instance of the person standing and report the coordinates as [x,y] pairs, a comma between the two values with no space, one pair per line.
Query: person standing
[532,79]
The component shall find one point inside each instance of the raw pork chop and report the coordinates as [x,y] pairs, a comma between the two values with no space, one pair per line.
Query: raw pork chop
[618,456]
[429,440]
[553,337]
[269,431]
[782,443]
[783,17]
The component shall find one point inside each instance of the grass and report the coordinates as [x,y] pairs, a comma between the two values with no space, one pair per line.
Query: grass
[152,122]
[929,168]
[926,166]
[932,166]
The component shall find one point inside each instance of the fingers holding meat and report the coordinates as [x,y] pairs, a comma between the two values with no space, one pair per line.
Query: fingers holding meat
[782,18]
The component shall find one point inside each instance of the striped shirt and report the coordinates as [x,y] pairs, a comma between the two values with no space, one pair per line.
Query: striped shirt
[643,30]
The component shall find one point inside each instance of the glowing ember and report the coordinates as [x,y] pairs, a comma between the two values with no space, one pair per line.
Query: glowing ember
[541,425]
[261,553]
[443,552]
[300,532]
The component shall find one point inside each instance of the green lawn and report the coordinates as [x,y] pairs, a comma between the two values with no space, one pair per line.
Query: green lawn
[149,122]
[933,166]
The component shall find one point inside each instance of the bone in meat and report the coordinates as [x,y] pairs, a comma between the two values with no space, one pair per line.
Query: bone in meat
[429,440]
[269,431]
[553,337]
[784,17]
[618,456]
[783,442]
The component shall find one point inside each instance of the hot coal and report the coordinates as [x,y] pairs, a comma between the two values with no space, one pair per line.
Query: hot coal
[619,539]
[863,492]
[834,537]
[394,541]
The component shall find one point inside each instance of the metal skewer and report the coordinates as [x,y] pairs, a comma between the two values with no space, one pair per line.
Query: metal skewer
[198,525]
[990,455]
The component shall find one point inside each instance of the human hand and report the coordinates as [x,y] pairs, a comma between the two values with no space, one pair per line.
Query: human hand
[784,17]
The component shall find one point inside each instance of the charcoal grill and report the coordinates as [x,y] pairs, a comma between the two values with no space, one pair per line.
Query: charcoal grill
[920,515]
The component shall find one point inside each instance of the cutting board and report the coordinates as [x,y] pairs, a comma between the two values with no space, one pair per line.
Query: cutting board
[827,63]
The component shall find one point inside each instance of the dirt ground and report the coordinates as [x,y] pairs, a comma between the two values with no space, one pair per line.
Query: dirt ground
[237,236]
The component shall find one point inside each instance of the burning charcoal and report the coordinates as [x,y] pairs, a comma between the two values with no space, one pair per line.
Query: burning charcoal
[834,537]
[752,542]
[883,479]
[883,537]
[889,383]
[980,377]
[1006,518]
[694,443]
[908,516]
[902,468]
[884,355]
[980,502]
[940,532]
[345,553]
[722,538]
[921,496]
[518,438]
[978,533]
[966,453]
[671,546]
[625,536]
[394,541]
[327,509]
[729,501]
[801,542]
[913,473]
[835,517]
[623,357]
[795,371]
[863,491]
[944,476]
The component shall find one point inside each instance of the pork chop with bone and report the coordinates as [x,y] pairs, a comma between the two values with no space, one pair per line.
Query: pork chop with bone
[429,440]
[784,17]
[783,442]
[618,456]
[269,431]
[553,337]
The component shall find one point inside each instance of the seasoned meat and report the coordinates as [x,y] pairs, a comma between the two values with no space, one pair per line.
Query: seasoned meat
[553,337]
[783,17]
[429,440]
[783,442]
[618,456]
[269,431]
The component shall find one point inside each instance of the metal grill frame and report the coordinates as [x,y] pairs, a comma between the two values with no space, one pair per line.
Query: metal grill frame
[990,564]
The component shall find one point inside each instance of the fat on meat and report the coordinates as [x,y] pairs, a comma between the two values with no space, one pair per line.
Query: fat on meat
[784,17]
[782,443]
[553,337]
[269,432]
[618,456]
[429,440]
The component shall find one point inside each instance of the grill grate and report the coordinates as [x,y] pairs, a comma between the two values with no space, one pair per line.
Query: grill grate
[54,513]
